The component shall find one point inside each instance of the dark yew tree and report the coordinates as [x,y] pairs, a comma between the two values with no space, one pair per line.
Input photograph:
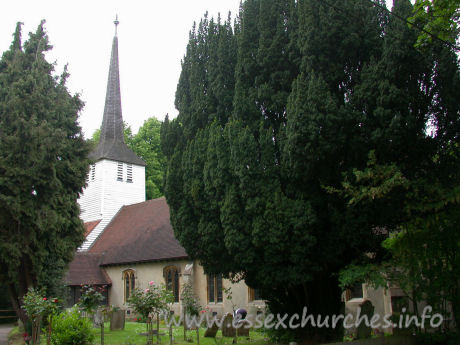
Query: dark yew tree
[256,192]
[43,166]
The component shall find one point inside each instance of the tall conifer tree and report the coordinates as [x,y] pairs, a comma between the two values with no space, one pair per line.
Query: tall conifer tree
[250,192]
[43,166]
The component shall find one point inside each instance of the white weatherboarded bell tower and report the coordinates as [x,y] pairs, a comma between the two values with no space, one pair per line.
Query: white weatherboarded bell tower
[117,177]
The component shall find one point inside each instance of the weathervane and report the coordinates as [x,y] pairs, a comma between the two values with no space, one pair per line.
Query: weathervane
[116,22]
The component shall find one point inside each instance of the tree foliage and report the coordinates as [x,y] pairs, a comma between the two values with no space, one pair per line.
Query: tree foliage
[412,178]
[439,18]
[153,301]
[72,329]
[127,135]
[40,309]
[43,166]
[190,301]
[314,94]
[146,144]
[91,298]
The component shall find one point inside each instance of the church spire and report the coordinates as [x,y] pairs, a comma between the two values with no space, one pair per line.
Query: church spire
[111,143]
[112,123]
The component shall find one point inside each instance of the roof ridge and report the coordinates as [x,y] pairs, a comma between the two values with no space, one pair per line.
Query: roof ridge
[88,253]
[139,233]
[144,202]
[103,230]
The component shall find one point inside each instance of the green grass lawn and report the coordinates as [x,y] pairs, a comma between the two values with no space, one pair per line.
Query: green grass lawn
[131,335]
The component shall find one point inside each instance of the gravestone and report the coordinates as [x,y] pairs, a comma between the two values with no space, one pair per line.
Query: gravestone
[363,330]
[211,331]
[243,330]
[227,326]
[117,320]
[98,318]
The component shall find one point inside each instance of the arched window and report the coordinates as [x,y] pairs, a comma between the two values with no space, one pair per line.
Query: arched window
[171,274]
[129,280]
[214,288]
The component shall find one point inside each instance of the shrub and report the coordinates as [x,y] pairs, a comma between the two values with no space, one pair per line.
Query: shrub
[153,300]
[140,319]
[71,329]
[39,308]
[91,297]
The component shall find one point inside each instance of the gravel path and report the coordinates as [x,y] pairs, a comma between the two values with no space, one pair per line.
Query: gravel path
[4,331]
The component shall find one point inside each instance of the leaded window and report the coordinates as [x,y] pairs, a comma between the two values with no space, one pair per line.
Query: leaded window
[171,274]
[129,280]
[215,288]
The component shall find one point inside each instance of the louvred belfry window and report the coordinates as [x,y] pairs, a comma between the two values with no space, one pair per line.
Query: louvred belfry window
[119,171]
[129,173]
[93,172]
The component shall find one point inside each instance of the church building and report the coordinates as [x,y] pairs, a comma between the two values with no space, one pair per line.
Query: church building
[130,241]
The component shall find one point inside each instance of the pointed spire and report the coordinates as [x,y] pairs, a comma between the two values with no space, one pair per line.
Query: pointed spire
[112,123]
[111,143]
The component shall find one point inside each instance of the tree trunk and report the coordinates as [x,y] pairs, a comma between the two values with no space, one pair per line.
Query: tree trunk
[158,328]
[456,311]
[36,331]
[17,291]
[321,296]
[48,336]
[16,302]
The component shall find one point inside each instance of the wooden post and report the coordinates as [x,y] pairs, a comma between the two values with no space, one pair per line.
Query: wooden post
[170,334]
[158,328]
[48,336]
[184,321]
[36,331]
[149,331]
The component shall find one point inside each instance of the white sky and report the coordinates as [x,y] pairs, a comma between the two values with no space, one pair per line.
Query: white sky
[152,39]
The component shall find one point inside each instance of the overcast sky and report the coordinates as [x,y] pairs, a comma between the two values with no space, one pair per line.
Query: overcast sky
[152,39]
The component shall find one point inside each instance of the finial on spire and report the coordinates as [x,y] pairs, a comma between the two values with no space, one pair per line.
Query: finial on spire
[116,22]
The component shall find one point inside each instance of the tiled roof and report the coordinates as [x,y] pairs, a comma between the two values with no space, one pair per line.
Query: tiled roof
[139,233]
[89,226]
[85,269]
